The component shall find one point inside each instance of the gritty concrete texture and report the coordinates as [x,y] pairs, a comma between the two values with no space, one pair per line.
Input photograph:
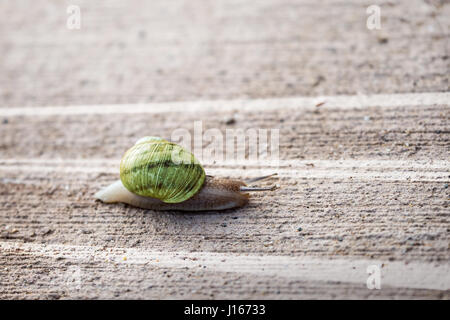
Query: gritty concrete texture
[364,185]
[364,148]
[145,51]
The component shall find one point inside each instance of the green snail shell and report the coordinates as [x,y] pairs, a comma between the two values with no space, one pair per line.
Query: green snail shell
[160,169]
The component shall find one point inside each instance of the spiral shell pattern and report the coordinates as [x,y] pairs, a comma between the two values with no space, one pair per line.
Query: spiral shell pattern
[160,169]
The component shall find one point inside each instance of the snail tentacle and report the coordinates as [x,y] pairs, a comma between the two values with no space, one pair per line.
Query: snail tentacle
[260,178]
[250,189]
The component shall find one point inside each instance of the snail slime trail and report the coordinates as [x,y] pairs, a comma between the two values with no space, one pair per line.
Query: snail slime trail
[151,179]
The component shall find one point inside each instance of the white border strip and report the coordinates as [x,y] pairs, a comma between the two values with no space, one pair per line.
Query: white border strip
[414,275]
[355,170]
[370,164]
[214,106]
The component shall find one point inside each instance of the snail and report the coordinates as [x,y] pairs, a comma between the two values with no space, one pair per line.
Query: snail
[160,175]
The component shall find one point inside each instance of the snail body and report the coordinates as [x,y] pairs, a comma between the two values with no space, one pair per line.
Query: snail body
[217,194]
[159,175]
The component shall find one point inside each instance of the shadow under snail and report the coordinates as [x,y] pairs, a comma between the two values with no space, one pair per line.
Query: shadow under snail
[160,175]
